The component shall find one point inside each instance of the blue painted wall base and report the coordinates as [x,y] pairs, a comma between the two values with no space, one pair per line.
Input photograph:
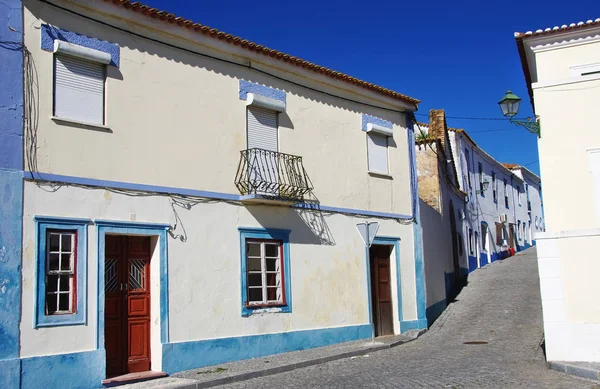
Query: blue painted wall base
[435,310]
[406,325]
[75,371]
[9,373]
[190,355]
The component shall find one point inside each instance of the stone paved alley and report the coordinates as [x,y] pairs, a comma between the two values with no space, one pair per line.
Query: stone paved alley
[500,305]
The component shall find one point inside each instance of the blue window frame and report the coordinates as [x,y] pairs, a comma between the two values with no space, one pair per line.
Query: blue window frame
[254,242]
[60,266]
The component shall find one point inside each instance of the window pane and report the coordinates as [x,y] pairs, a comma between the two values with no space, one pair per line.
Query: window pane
[273,279]
[271,250]
[53,262]
[50,304]
[63,301]
[65,261]
[52,283]
[255,279]
[253,264]
[54,242]
[65,282]
[272,264]
[67,242]
[255,295]
[274,294]
[253,249]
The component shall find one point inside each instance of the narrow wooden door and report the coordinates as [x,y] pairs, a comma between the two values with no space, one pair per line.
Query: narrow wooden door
[382,291]
[127,304]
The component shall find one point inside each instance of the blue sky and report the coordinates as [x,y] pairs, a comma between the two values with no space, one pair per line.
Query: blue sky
[456,55]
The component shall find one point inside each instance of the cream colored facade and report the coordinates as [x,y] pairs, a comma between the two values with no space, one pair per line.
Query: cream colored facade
[564,68]
[166,158]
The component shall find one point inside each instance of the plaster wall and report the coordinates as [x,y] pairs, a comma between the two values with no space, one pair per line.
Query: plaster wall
[555,64]
[481,207]
[327,267]
[569,270]
[563,155]
[189,124]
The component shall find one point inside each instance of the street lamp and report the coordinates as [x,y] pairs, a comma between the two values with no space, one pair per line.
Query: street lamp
[484,186]
[510,107]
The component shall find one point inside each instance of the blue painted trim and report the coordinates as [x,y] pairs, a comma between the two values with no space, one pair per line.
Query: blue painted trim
[190,355]
[394,241]
[128,186]
[413,325]
[49,34]
[326,208]
[131,224]
[133,228]
[191,192]
[472,262]
[11,245]
[263,90]
[421,296]
[61,220]
[483,259]
[82,370]
[266,233]
[42,225]
[366,119]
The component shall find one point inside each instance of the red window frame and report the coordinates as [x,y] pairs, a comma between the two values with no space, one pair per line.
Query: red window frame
[283,302]
[74,277]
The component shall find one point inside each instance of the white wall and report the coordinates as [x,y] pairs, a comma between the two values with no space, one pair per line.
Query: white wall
[566,103]
[328,267]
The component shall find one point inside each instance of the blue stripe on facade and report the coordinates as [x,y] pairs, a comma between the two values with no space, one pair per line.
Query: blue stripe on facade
[190,355]
[417,231]
[366,119]
[263,90]
[190,192]
[472,263]
[483,259]
[50,34]
[413,325]
[83,370]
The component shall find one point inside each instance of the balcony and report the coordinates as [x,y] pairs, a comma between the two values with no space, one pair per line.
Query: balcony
[265,176]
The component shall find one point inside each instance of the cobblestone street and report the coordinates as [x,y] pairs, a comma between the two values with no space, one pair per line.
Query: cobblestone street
[500,305]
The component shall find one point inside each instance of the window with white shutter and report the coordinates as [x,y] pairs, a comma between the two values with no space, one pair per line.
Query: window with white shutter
[377,150]
[79,89]
[262,128]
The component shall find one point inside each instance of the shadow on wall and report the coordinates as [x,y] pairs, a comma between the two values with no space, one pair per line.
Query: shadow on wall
[308,226]
[453,288]
[191,55]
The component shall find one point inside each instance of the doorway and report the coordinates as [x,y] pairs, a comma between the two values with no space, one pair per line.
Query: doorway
[511,234]
[127,304]
[381,289]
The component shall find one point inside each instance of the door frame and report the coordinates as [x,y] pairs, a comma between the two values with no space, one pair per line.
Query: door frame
[394,273]
[155,230]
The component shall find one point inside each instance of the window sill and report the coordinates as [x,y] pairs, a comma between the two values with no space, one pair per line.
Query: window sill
[380,174]
[76,123]
[249,310]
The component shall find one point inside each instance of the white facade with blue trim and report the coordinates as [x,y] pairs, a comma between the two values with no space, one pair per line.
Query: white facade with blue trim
[158,169]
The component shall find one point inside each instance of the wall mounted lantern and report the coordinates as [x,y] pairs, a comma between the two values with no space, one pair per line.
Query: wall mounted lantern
[509,105]
[484,186]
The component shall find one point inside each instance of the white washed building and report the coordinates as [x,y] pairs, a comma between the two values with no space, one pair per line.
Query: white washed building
[562,71]
[190,198]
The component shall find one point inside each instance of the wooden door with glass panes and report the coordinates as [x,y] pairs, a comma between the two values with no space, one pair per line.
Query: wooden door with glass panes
[127,304]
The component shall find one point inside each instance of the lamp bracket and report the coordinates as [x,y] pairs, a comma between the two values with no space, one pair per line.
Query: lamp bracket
[530,125]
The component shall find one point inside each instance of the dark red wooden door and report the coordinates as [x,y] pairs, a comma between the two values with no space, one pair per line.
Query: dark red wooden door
[127,304]
[382,290]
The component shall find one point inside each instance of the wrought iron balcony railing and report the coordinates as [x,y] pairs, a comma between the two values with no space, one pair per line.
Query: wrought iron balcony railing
[272,174]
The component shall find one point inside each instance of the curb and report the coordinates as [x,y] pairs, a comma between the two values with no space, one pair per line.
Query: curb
[293,366]
[576,370]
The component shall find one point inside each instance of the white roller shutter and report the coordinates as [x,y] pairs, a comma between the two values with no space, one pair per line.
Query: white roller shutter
[377,150]
[262,128]
[78,89]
